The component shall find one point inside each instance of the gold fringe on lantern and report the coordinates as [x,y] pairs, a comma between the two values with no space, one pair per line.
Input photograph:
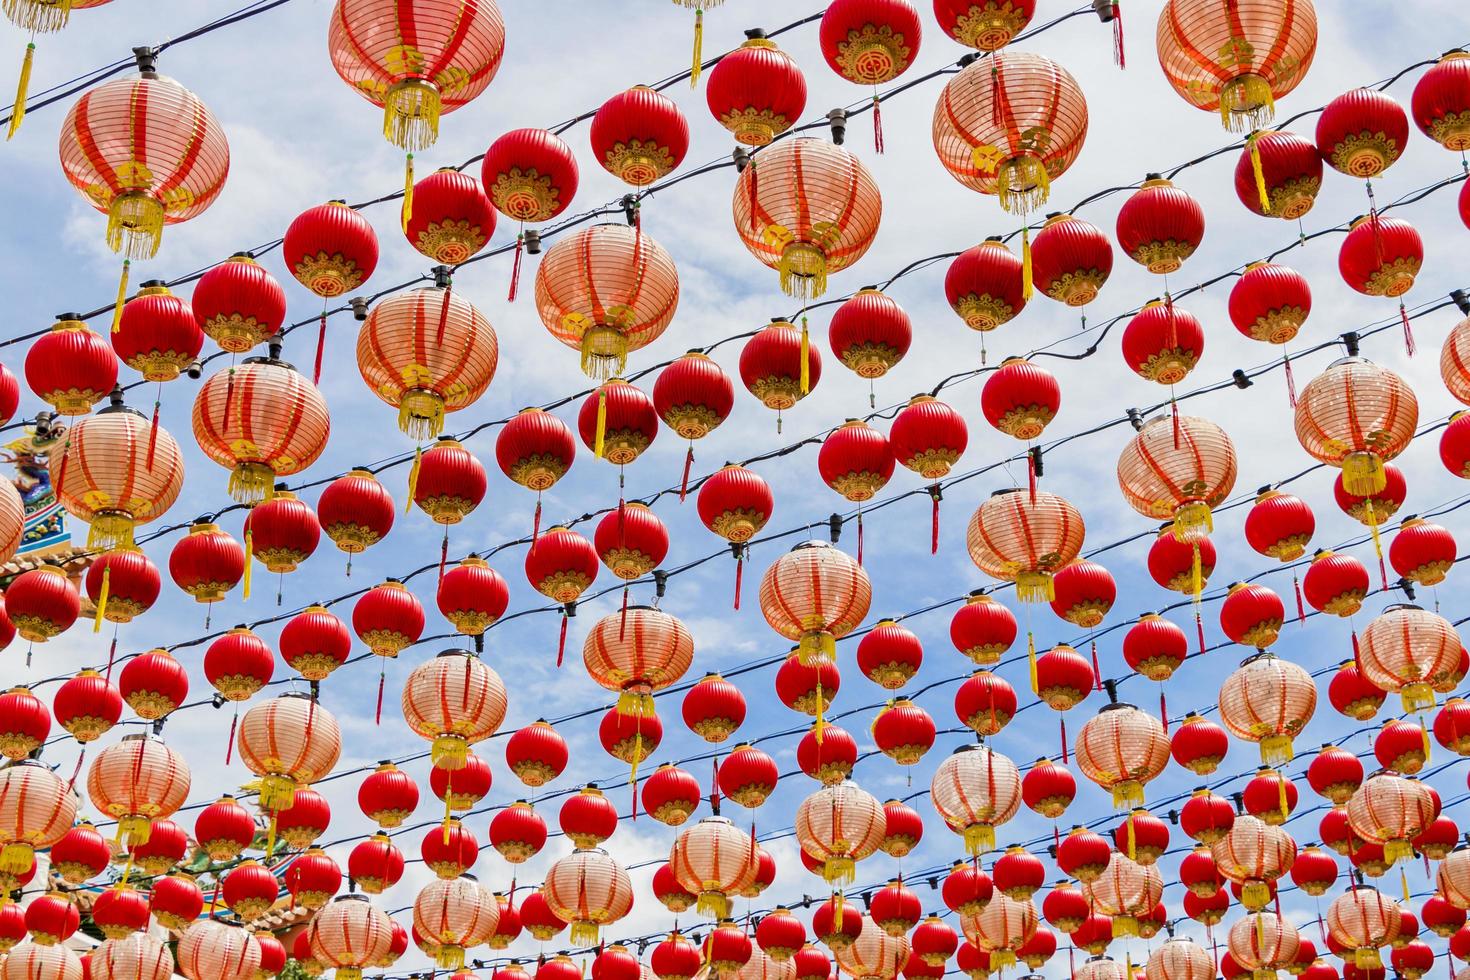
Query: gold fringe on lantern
[449,752]
[716,905]
[1253,142]
[135,224]
[413,477]
[134,829]
[839,870]
[1192,521]
[252,483]
[1363,474]
[1125,925]
[635,703]
[1022,183]
[1246,103]
[803,269]
[1255,895]
[1417,696]
[102,597]
[18,114]
[1035,587]
[1031,665]
[815,646]
[452,957]
[277,793]
[979,839]
[583,934]
[1002,958]
[1397,849]
[1276,750]
[604,352]
[38,16]
[1127,794]
[411,114]
[16,858]
[421,413]
[1366,958]
[110,531]
[348,973]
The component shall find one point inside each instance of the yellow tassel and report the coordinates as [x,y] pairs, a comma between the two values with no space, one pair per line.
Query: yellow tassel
[1027,287]
[122,296]
[1281,796]
[806,346]
[407,190]
[821,725]
[597,445]
[1196,574]
[1031,660]
[1373,528]
[102,599]
[1404,883]
[697,67]
[1132,846]
[637,757]
[1423,731]
[413,477]
[19,112]
[249,555]
[1253,142]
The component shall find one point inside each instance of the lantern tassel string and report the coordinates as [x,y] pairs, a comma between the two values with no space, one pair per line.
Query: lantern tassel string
[536,519]
[1301,609]
[561,644]
[22,86]
[1120,55]
[935,495]
[444,312]
[739,573]
[752,189]
[1030,665]
[82,755]
[688,464]
[407,190]
[1164,710]
[413,477]
[321,346]
[1377,541]
[806,346]
[1062,724]
[249,562]
[1409,347]
[378,715]
[598,445]
[1031,475]
[443,552]
[1096,669]
[860,536]
[877,123]
[122,296]
[1253,141]
[153,430]
[112,654]
[102,597]
[697,61]
[230,741]
[515,265]
[1028,287]
[1290,379]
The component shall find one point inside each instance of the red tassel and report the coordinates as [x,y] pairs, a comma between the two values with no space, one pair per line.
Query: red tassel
[633,785]
[934,520]
[229,393]
[752,188]
[1199,629]
[1062,721]
[230,743]
[1290,379]
[1174,411]
[1096,668]
[1056,834]
[1031,475]
[739,574]
[321,345]
[443,315]
[996,116]
[1356,659]
[623,616]
[877,124]
[443,552]
[515,267]
[536,521]
[1120,56]
[860,539]
[111,656]
[153,434]
[684,483]
[378,717]
[71,783]
[714,785]
[1164,709]
[561,644]
[1408,330]
[1301,610]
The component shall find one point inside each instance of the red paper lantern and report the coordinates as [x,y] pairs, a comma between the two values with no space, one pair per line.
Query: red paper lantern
[670,795]
[1422,552]
[175,901]
[1279,526]
[983,629]
[1173,563]
[375,864]
[1163,343]
[986,26]
[249,889]
[530,175]
[1335,583]
[1354,695]
[388,796]
[312,879]
[1381,256]
[462,788]
[1452,726]
[451,219]
[928,437]
[856,461]
[771,366]
[122,584]
[81,854]
[24,723]
[748,776]
[1198,744]
[121,912]
[693,396]
[1278,175]
[1442,100]
[331,249]
[42,603]
[985,703]
[153,684]
[828,759]
[889,655]
[1155,647]
[1085,591]
[676,958]
[1071,259]
[156,333]
[224,829]
[472,596]
[1251,615]
[206,563]
[282,532]
[536,754]
[631,541]
[1021,398]
[1334,774]
[450,482]
[713,708]
[355,511]
[617,422]
[388,618]
[1064,678]
[1142,836]
[451,850]
[1454,444]
[757,92]
[1048,788]
[1314,871]
[1400,746]
[239,664]
[1206,817]
[985,285]
[1362,132]
[1083,854]
[807,687]
[902,830]
[1160,226]
[966,889]
[639,136]
[518,833]
[561,565]
[1270,302]
[903,731]
[238,304]
[1269,796]
[87,706]
[71,368]
[869,333]
[314,643]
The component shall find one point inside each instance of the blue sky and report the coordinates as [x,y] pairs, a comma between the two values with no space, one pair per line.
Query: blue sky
[299,137]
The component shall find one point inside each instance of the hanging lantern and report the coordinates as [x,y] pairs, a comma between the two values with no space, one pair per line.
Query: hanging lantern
[86,705]
[137,780]
[1155,647]
[561,565]
[676,958]
[966,889]
[902,830]
[1269,701]
[727,949]
[34,961]
[1254,854]
[838,826]
[427,352]
[713,708]
[1279,525]
[1399,746]
[1422,552]
[42,603]
[1335,773]
[117,471]
[1048,788]
[639,136]
[934,941]
[747,776]
[607,291]
[122,585]
[1004,926]
[355,511]
[771,366]
[1381,256]
[904,732]
[780,935]
[82,853]
[713,860]
[454,701]
[238,664]
[461,789]
[1251,615]
[1180,566]
[1125,891]
[1278,175]
[451,850]
[807,687]
[1121,748]
[889,655]
[157,334]
[828,759]
[1020,398]
[870,333]
[153,684]
[70,368]
[452,219]
[388,618]
[349,934]
[289,742]
[1085,592]
[262,421]
[1019,874]
[1454,445]
[856,461]
[282,532]
[24,723]
[314,643]
[617,422]
[1267,50]
[1163,343]
[238,304]
[1408,651]
[1183,471]
[535,449]
[536,754]
[630,737]
[985,285]
[1270,796]
[331,249]
[1009,125]
[457,915]
[472,596]
[982,629]
[631,541]
[163,171]
[1263,942]
[1362,132]
[37,809]
[975,790]
[224,829]
[757,91]
[1206,817]
[1071,259]
[1440,101]
[518,832]
[814,595]
[693,396]
[1391,811]
[1160,226]
[1026,539]
[448,482]
[1364,920]
[875,955]
[670,795]
[590,890]
[928,437]
[1314,871]
[985,703]
[637,652]
[206,563]
[814,211]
